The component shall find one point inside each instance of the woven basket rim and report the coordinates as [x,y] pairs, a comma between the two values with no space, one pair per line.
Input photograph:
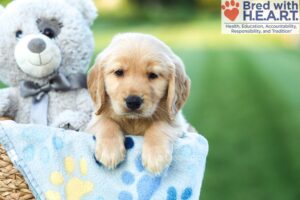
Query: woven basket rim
[12,183]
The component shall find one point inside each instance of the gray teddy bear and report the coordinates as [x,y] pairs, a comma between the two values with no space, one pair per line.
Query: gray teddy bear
[45,49]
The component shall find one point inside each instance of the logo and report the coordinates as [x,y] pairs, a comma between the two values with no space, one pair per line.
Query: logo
[260,16]
[231,10]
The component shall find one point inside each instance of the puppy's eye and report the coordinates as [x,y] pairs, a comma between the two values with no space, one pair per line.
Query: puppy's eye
[119,73]
[152,76]
[19,34]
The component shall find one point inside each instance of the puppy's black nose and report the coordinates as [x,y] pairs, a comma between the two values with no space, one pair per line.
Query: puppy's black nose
[37,45]
[134,102]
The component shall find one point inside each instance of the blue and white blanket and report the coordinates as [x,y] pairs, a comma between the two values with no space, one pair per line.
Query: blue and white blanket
[59,164]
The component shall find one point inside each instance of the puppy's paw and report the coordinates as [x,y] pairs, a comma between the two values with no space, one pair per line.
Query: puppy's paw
[110,152]
[156,158]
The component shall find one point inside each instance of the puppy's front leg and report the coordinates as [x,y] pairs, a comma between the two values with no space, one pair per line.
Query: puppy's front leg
[110,150]
[158,147]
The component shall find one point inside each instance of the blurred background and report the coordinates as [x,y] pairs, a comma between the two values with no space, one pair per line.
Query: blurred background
[245,96]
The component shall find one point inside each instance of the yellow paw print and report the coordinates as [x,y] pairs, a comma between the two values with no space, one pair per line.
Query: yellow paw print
[75,188]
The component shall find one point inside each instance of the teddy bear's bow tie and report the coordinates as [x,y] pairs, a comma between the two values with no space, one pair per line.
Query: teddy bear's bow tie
[58,82]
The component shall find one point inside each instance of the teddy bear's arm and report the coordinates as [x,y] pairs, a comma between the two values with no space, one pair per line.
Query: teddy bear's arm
[8,102]
[78,118]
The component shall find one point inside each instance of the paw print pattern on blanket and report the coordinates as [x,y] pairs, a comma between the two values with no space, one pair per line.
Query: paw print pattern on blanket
[75,188]
[172,194]
[41,154]
[146,186]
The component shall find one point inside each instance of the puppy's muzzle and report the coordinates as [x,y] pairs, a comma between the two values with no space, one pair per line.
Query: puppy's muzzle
[133,102]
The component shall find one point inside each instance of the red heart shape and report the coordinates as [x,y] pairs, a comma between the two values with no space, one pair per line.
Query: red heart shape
[231,14]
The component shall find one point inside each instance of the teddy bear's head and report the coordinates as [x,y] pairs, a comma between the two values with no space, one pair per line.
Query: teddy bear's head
[40,37]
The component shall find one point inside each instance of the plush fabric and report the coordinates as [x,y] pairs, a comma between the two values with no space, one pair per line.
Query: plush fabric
[59,164]
[71,19]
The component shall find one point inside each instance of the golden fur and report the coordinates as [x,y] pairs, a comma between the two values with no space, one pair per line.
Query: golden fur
[159,118]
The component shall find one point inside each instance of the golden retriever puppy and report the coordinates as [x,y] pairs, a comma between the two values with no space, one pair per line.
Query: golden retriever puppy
[138,86]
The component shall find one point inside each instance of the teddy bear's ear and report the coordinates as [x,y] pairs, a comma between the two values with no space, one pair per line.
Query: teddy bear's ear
[87,9]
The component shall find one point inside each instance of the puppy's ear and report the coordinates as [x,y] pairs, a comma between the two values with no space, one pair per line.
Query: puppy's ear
[179,87]
[96,87]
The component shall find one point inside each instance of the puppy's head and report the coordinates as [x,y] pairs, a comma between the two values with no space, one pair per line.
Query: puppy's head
[138,76]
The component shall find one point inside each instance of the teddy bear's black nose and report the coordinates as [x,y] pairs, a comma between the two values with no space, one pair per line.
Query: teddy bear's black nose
[37,45]
[134,102]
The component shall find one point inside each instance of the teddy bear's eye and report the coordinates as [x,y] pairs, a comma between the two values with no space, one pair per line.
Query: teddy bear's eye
[49,27]
[49,33]
[19,34]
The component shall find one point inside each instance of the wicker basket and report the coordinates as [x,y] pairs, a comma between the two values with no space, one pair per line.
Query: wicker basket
[12,183]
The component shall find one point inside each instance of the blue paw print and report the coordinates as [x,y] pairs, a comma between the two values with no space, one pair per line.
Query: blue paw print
[30,152]
[30,137]
[146,186]
[125,196]
[57,142]
[138,163]
[127,178]
[186,194]
[129,143]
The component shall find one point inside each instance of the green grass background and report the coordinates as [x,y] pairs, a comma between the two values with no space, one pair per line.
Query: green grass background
[245,99]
